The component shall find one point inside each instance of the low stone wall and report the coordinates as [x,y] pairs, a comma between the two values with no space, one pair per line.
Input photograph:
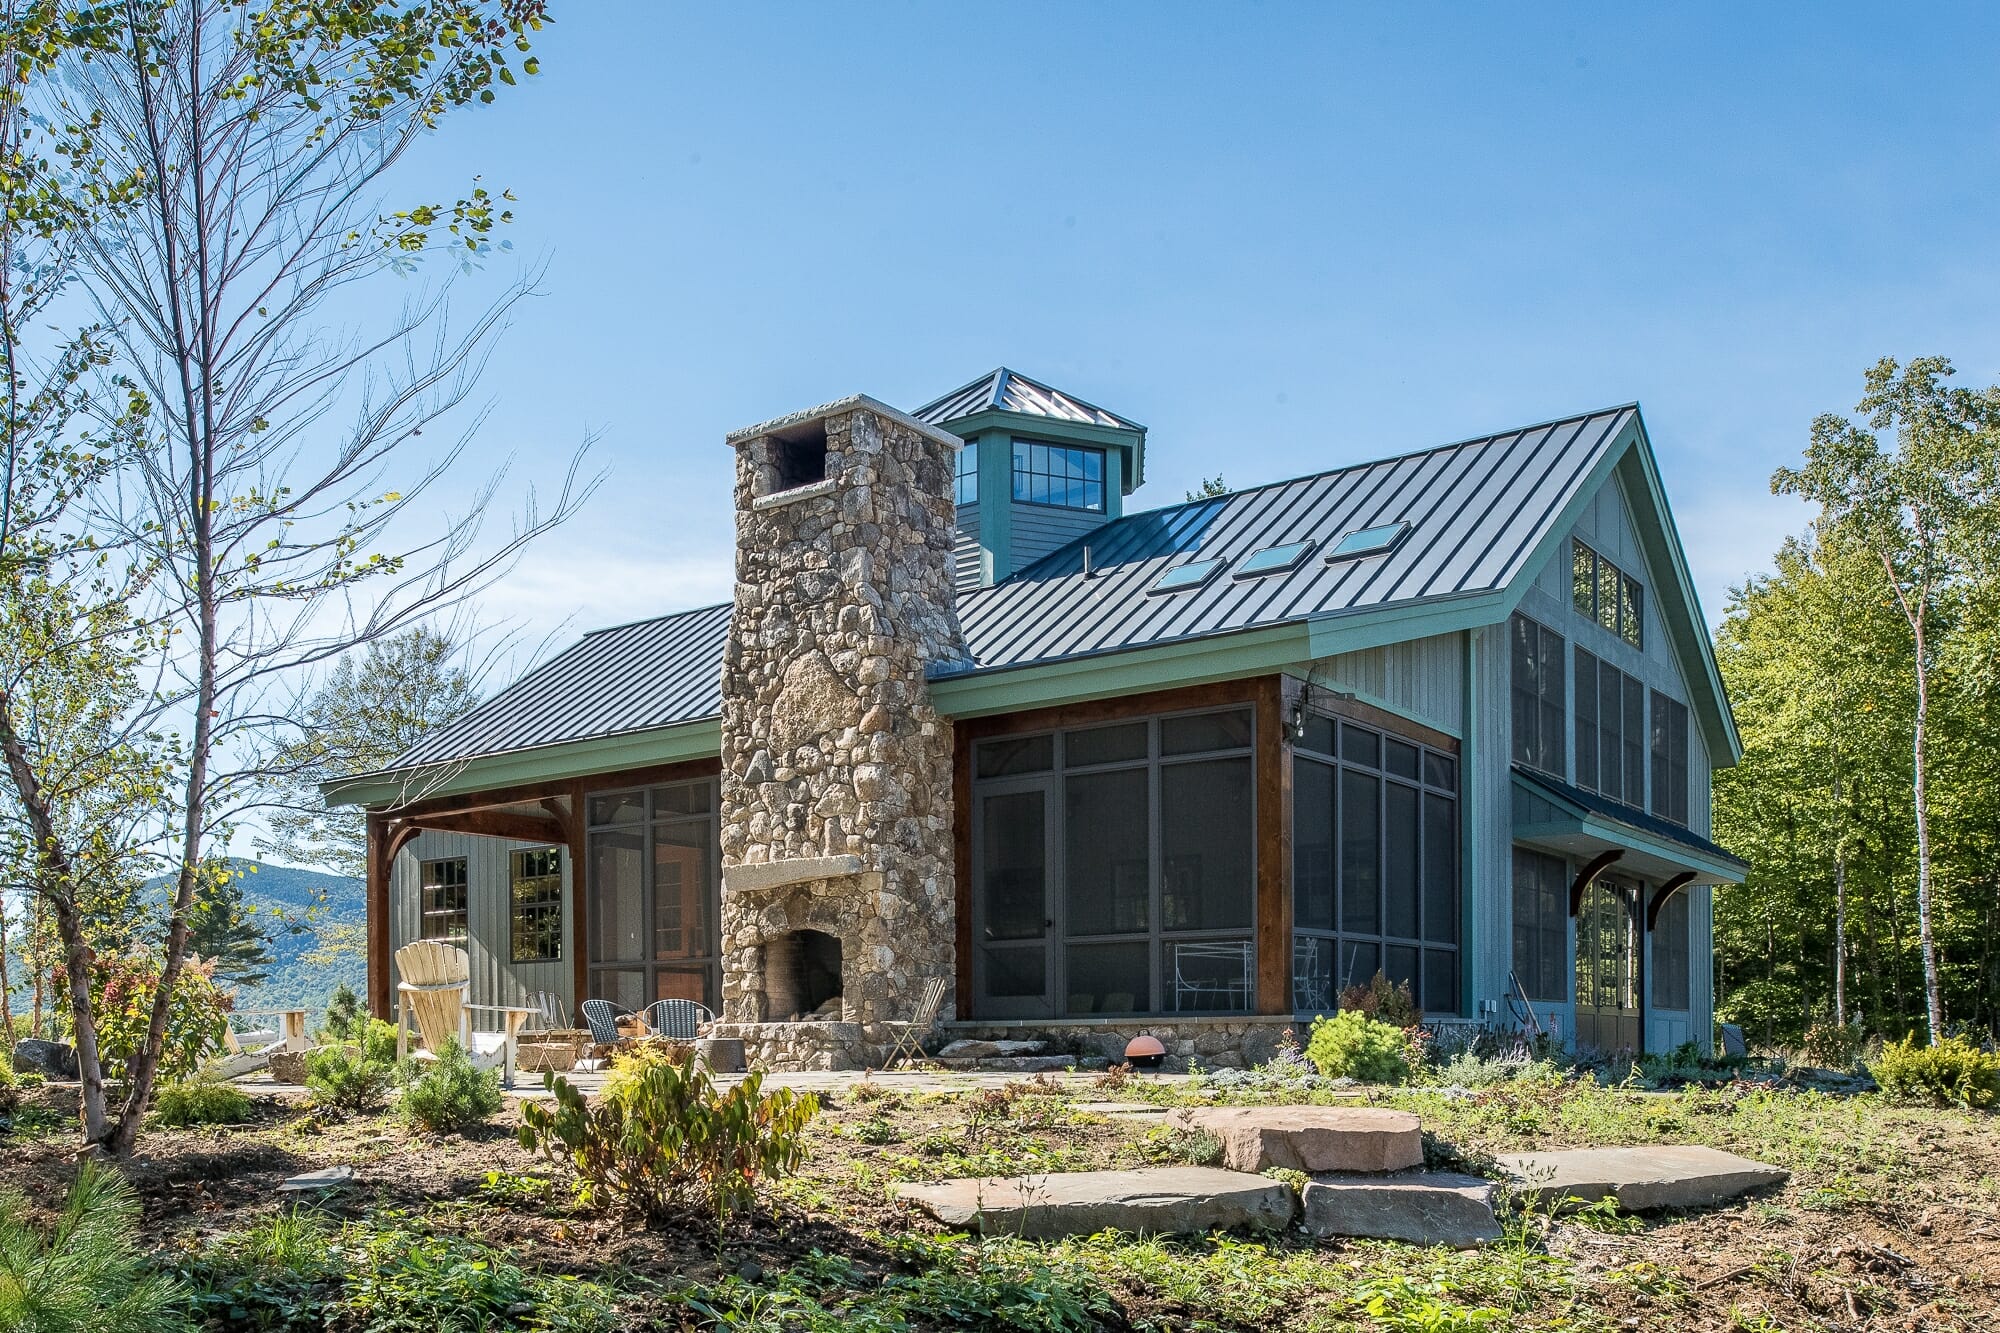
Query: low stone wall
[1212,1043]
[811,1045]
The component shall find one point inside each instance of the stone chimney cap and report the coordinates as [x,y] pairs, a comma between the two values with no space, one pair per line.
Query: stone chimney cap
[793,420]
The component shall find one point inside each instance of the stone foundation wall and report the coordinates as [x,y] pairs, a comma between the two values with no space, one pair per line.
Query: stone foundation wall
[1213,1043]
[811,1046]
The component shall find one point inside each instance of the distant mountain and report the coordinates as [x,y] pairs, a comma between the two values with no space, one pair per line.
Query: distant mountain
[301,909]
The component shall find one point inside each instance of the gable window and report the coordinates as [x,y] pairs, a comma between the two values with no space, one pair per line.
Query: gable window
[968,473]
[1670,952]
[443,899]
[1670,758]
[1060,475]
[1606,594]
[1537,690]
[535,930]
[1541,925]
[1610,731]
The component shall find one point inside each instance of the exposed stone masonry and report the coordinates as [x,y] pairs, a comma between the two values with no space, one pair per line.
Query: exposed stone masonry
[836,768]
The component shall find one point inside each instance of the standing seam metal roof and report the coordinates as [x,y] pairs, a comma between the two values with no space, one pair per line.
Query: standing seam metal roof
[1476,509]
[1005,390]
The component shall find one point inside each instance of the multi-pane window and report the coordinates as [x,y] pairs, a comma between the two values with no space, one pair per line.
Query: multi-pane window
[1541,925]
[1115,868]
[968,473]
[654,893]
[536,905]
[1610,731]
[1670,952]
[1060,475]
[1670,758]
[443,898]
[1374,866]
[1537,690]
[1606,594]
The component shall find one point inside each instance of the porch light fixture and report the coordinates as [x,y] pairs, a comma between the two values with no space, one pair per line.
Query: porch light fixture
[1362,542]
[1302,705]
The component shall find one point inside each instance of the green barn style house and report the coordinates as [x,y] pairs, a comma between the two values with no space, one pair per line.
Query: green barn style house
[974,716]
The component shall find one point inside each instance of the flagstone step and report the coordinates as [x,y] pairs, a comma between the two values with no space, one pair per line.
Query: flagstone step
[1173,1199]
[1644,1178]
[1422,1207]
[1309,1138]
[1012,1064]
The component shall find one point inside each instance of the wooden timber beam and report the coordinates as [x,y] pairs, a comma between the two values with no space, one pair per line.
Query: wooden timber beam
[493,824]
[1660,896]
[1598,865]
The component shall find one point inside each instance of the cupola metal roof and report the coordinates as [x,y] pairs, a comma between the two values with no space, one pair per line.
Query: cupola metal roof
[1005,390]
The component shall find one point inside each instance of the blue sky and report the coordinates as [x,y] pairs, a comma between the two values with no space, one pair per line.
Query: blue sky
[1285,236]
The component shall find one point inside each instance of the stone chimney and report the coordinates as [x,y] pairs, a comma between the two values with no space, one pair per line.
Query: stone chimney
[836,768]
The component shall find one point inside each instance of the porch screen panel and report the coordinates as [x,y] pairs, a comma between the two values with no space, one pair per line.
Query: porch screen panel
[1670,952]
[654,893]
[1541,925]
[1374,865]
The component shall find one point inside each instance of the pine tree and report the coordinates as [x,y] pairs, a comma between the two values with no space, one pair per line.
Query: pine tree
[225,930]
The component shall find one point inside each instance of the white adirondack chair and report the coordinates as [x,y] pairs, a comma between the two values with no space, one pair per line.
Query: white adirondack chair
[435,993]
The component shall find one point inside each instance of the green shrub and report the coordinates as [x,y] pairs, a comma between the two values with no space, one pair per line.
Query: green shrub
[671,1139]
[86,1273]
[122,987]
[1383,1000]
[1831,1045]
[1353,1045]
[1954,1072]
[10,1088]
[178,1105]
[353,1077]
[630,1063]
[344,1018]
[448,1094]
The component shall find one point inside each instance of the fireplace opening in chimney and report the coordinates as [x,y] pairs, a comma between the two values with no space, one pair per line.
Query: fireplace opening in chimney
[802,977]
[799,458]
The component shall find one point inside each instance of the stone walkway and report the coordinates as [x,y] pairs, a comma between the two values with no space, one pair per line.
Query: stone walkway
[839,1083]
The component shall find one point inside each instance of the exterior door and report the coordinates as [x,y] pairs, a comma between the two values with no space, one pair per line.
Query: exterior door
[1608,953]
[1013,925]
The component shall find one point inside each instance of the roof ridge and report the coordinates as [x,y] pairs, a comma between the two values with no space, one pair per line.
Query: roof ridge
[1161,510]
[654,620]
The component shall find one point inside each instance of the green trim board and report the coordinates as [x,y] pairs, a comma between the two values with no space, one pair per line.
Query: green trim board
[543,763]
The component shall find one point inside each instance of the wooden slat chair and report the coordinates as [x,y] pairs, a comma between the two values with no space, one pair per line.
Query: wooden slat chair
[682,1020]
[909,1037]
[435,991]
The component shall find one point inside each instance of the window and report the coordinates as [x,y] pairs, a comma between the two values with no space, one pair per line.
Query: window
[443,899]
[1670,758]
[1115,868]
[654,894]
[1367,541]
[1607,595]
[536,931]
[1537,689]
[1060,475]
[1374,866]
[1541,925]
[1610,727]
[1274,560]
[968,473]
[1670,952]
[1185,578]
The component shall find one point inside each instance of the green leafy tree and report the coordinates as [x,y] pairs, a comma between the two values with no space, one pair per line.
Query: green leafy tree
[226,931]
[374,706]
[1919,500]
[1210,488]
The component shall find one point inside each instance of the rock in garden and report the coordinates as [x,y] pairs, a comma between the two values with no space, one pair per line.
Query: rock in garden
[973,1049]
[51,1059]
[1309,1138]
[1175,1199]
[332,1177]
[1422,1207]
[1656,1176]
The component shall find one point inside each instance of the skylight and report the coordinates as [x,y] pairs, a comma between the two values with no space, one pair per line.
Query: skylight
[1182,578]
[1367,541]
[1273,560]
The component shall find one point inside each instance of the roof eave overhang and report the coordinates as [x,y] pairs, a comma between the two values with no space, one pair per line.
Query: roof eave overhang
[1581,832]
[394,788]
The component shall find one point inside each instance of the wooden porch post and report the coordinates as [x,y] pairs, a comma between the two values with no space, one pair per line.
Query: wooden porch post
[377,905]
[1273,770]
[579,899]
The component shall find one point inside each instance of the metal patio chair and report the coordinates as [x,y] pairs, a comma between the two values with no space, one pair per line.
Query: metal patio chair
[601,1017]
[681,1020]
[909,1037]
[547,1013]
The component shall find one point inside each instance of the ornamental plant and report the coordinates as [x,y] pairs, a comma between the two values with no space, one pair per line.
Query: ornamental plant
[669,1140]
[1952,1072]
[448,1094]
[1353,1045]
[354,1077]
[122,987]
